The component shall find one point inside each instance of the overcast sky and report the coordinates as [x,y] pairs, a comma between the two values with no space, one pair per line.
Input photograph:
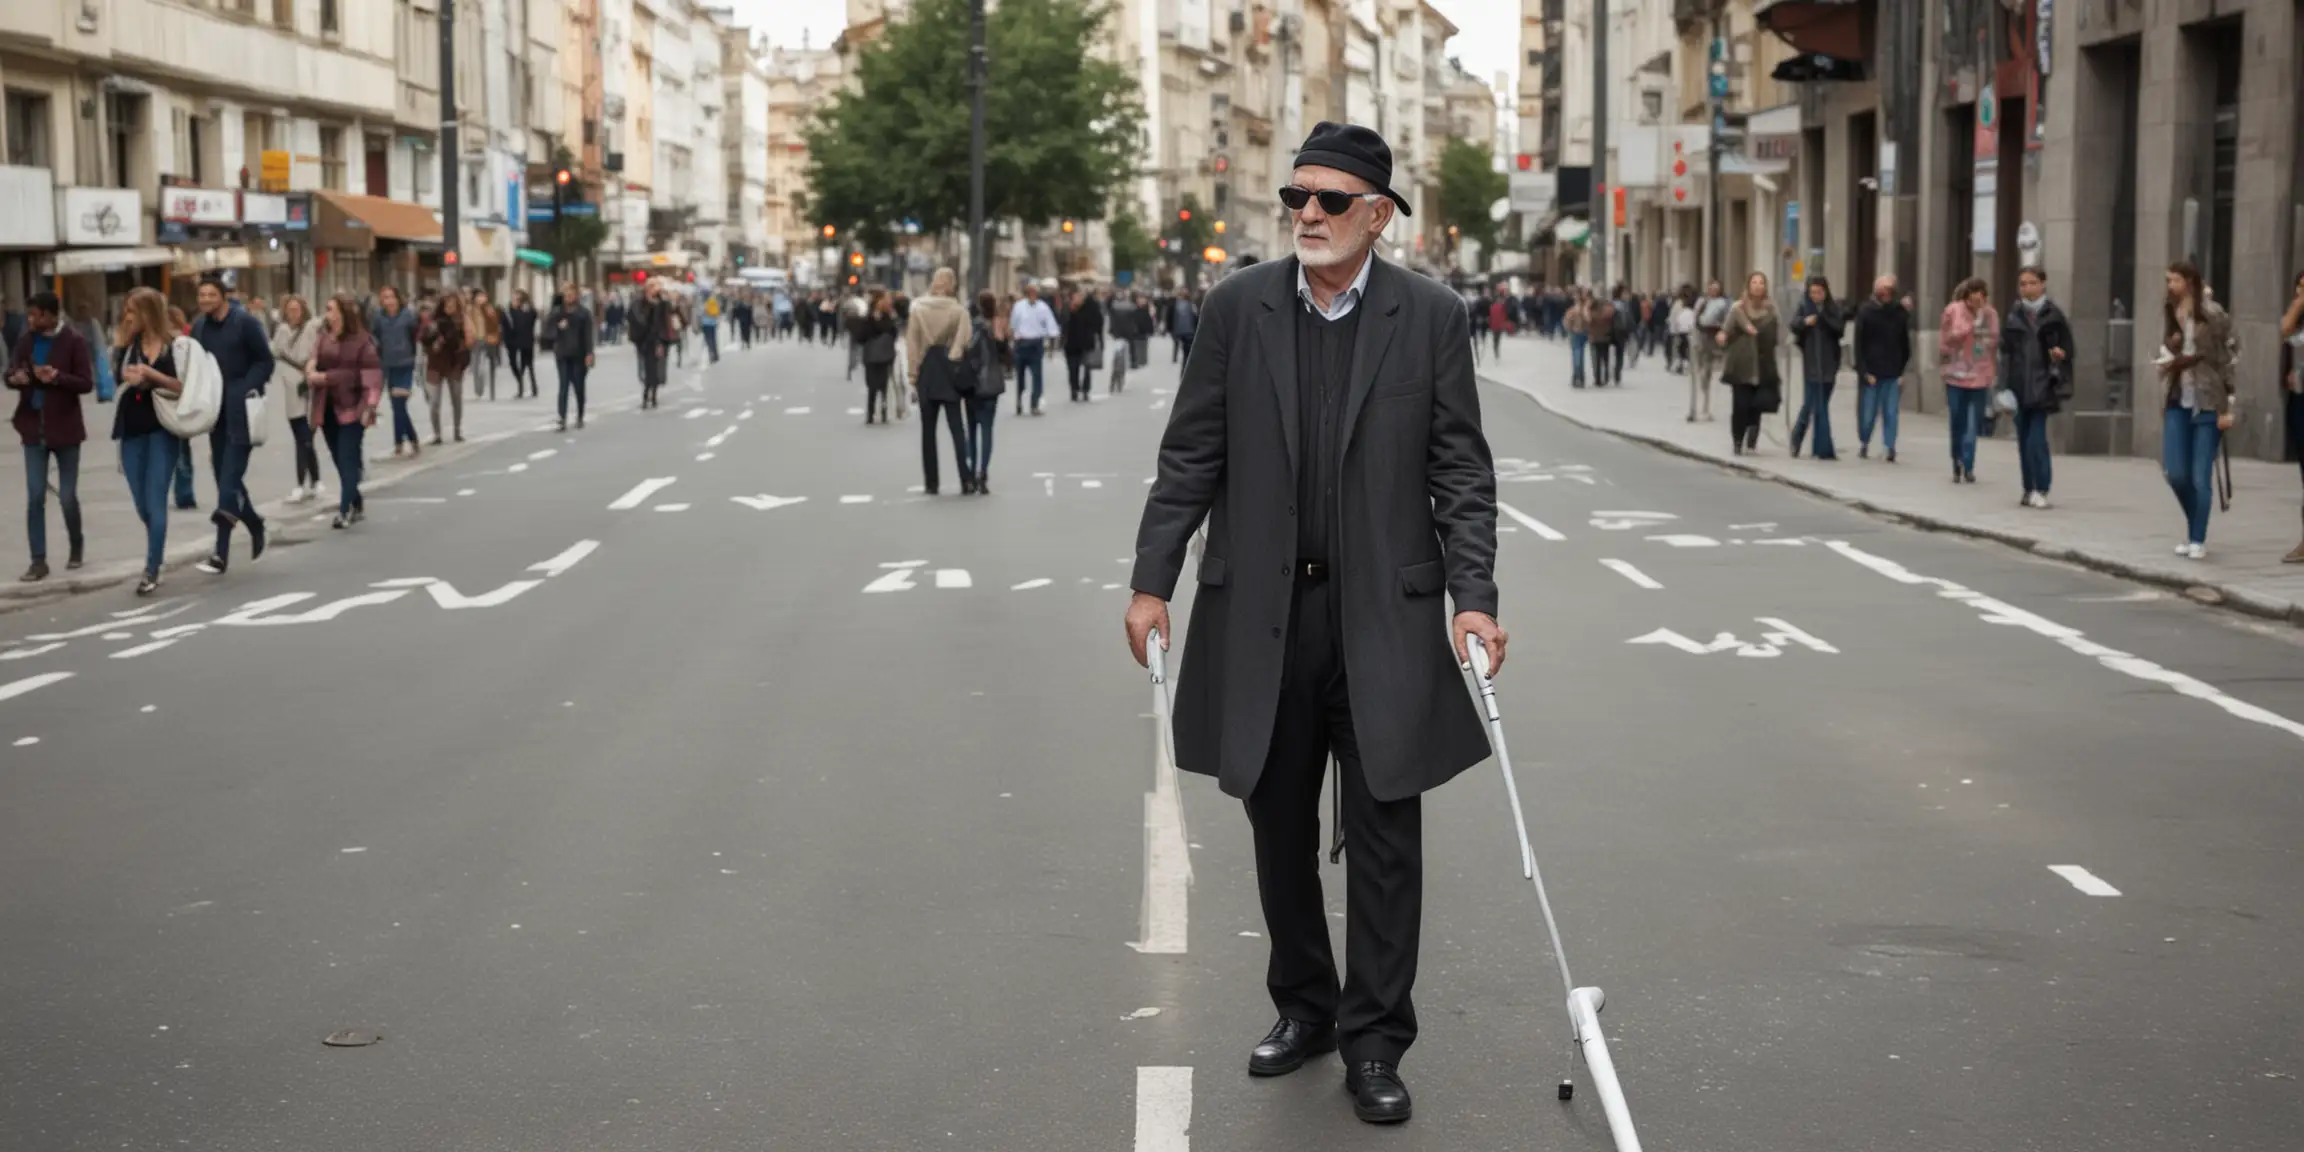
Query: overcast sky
[1488,42]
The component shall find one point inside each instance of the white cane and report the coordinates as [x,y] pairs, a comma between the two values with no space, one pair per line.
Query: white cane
[1584,1004]
[1165,781]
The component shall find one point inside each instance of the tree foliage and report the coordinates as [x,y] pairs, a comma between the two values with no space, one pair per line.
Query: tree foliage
[1469,184]
[1134,248]
[1062,127]
[568,238]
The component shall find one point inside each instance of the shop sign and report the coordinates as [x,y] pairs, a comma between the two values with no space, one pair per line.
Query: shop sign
[264,209]
[100,217]
[206,207]
[274,166]
[27,207]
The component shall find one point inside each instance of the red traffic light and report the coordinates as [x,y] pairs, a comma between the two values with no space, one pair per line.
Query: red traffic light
[1163,242]
[1183,213]
[1526,162]
[562,176]
[639,275]
[449,258]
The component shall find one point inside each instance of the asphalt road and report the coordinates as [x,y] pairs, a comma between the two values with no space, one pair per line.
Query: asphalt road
[784,807]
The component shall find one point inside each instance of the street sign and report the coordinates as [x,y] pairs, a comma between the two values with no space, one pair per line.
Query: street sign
[1791,221]
[1719,85]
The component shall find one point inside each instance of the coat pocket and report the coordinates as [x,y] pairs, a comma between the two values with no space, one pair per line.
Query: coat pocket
[1213,570]
[1424,579]
[1396,390]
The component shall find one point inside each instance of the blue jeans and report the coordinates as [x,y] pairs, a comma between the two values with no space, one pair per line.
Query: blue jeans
[1815,404]
[2188,443]
[183,475]
[1031,360]
[399,382]
[1577,341]
[149,460]
[1964,408]
[36,492]
[572,372]
[2032,450]
[712,342]
[981,410]
[1879,403]
[344,448]
[228,459]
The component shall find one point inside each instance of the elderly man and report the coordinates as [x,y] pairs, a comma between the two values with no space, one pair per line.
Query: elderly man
[1883,354]
[1328,429]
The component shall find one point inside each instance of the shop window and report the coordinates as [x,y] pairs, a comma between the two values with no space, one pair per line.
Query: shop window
[27,129]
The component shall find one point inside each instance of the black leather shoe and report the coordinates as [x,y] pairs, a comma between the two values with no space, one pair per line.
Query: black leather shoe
[1378,1095]
[1289,1045]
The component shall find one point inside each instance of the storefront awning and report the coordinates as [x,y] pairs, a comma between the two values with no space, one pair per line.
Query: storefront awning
[344,215]
[532,256]
[1837,28]
[73,261]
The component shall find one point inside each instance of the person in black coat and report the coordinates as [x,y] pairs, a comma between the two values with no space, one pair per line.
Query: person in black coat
[520,344]
[1327,430]
[1083,342]
[244,358]
[2035,363]
[1883,354]
[1817,327]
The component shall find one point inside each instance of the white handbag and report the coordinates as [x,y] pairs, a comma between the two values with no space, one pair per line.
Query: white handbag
[195,408]
[257,429]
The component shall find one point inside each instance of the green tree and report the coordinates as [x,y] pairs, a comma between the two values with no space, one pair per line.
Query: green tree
[569,238]
[1469,184]
[1062,127]
[1134,248]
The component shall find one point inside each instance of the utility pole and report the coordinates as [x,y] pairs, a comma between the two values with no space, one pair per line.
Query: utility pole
[1604,202]
[1719,142]
[451,155]
[978,68]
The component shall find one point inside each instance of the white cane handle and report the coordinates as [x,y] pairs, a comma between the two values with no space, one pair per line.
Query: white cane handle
[1154,658]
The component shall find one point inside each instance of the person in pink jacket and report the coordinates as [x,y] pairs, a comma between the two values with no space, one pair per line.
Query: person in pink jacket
[1967,349]
[347,379]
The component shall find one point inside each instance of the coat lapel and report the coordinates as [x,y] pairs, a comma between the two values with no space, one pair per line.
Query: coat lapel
[1276,335]
[1379,308]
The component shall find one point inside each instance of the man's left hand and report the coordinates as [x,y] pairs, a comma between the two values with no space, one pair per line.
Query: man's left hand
[1490,633]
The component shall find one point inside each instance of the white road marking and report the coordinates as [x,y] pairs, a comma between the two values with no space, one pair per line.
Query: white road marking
[902,563]
[1785,541]
[100,629]
[543,453]
[1091,483]
[247,616]
[29,741]
[696,413]
[1627,571]
[1109,587]
[2084,880]
[673,507]
[1530,522]
[1786,635]
[400,582]
[141,649]
[417,499]
[149,708]
[856,499]
[764,502]
[1049,485]
[1763,525]
[445,594]
[1139,1014]
[520,467]
[566,560]
[1685,541]
[1163,1109]
[178,630]
[1158,405]
[466,491]
[640,492]
[722,438]
[800,411]
[351,851]
[28,653]
[899,580]
[1619,521]
[744,415]
[17,688]
[954,578]
[703,456]
[1028,585]
[2000,612]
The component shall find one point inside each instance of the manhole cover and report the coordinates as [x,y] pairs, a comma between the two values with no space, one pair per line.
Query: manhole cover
[350,1039]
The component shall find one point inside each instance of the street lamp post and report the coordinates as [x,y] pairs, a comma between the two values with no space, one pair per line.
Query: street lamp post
[451,155]
[978,66]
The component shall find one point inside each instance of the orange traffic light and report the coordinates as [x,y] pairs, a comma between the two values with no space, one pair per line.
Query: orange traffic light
[1067,226]
[856,259]
[562,176]
[1219,227]
[829,231]
[1212,254]
[449,258]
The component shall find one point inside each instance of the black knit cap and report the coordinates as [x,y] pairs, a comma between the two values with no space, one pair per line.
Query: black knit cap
[1351,148]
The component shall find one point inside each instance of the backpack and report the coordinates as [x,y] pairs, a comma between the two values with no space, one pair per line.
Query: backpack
[195,409]
[959,373]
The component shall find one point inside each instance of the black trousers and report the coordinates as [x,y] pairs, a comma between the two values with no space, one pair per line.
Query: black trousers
[876,391]
[1384,855]
[572,373]
[950,412]
[521,358]
[1744,418]
[1079,370]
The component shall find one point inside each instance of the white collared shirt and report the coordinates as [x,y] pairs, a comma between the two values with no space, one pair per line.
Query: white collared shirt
[1033,320]
[1345,301]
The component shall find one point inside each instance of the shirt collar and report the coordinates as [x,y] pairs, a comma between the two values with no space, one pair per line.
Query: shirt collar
[1345,301]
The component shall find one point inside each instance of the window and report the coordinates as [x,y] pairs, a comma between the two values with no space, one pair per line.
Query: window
[245,8]
[591,132]
[332,158]
[1535,57]
[27,129]
[330,23]
[284,14]
[1651,107]
[125,124]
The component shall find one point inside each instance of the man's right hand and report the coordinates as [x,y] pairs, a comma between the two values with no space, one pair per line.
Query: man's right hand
[1146,612]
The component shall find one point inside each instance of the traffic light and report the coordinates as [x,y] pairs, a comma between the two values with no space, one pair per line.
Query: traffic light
[1184,215]
[1219,227]
[639,275]
[1163,243]
[560,181]
[856,259]
[1212,254]
[739,259]
[830,231]
[851,280]
[1067,227]
[449,258]
[562,177]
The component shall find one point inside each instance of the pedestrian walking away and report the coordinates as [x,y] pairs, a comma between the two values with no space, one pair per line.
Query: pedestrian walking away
[1577,322]
[2195,362]
[655,329]
[1967,348]
[2035,364]
[1600,338]
[1817,326]
[447,353]
[485,324]
[346,378]
[710,324]
[1183,325]
[568,332]
[938,342]
[520,345]
[986,354]
[243,357]
[393,325]
[1263,707]
[147,357]
[1883,341]
[1083,343]
[875,343]
[1032,324]
[294,339]
[50,367]
[1747,343]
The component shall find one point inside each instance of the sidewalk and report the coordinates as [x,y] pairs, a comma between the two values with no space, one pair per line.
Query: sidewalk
[2111,513]
[115,537]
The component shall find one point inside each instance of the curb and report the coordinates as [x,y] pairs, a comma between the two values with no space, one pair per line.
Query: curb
[2237,599]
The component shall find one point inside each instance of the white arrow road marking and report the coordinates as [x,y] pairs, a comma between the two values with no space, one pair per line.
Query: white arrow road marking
[2082,879]
[31,684]
[1724,642]
[445,594]
[640,492]
[764,502]
[1530,522]
[953,578]
[248,615]
[565,560]
[1163,1109]
[1627,571]
[1786,635]
[898,580]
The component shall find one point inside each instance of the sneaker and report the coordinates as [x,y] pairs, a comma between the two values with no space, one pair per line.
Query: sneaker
[296,494]
[339,522]
[214,565]
[1969,475]
[2196,551]
[149,584]
[2184,549]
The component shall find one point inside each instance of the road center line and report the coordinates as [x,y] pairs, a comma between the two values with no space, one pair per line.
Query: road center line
[1163,1109]
[1530,522]
[31,684]
[2084,880]
[1626,570]
[641,492]
[2000,612]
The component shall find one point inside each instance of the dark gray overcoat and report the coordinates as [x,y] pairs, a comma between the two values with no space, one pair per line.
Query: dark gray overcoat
[1415,517]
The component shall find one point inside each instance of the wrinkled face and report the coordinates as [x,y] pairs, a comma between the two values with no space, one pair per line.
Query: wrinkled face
[1324,240]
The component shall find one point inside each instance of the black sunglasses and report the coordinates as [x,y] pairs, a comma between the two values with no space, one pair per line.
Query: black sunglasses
[1333,201]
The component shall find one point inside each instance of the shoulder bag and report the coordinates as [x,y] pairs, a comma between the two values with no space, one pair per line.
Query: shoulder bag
[193,411]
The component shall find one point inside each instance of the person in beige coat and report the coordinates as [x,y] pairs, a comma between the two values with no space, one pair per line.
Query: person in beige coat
[294,339]
[937,338]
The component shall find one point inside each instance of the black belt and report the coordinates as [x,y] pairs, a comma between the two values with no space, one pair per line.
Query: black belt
[1310,570]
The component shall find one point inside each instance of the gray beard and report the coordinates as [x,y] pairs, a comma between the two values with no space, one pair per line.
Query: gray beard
[1329,257]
